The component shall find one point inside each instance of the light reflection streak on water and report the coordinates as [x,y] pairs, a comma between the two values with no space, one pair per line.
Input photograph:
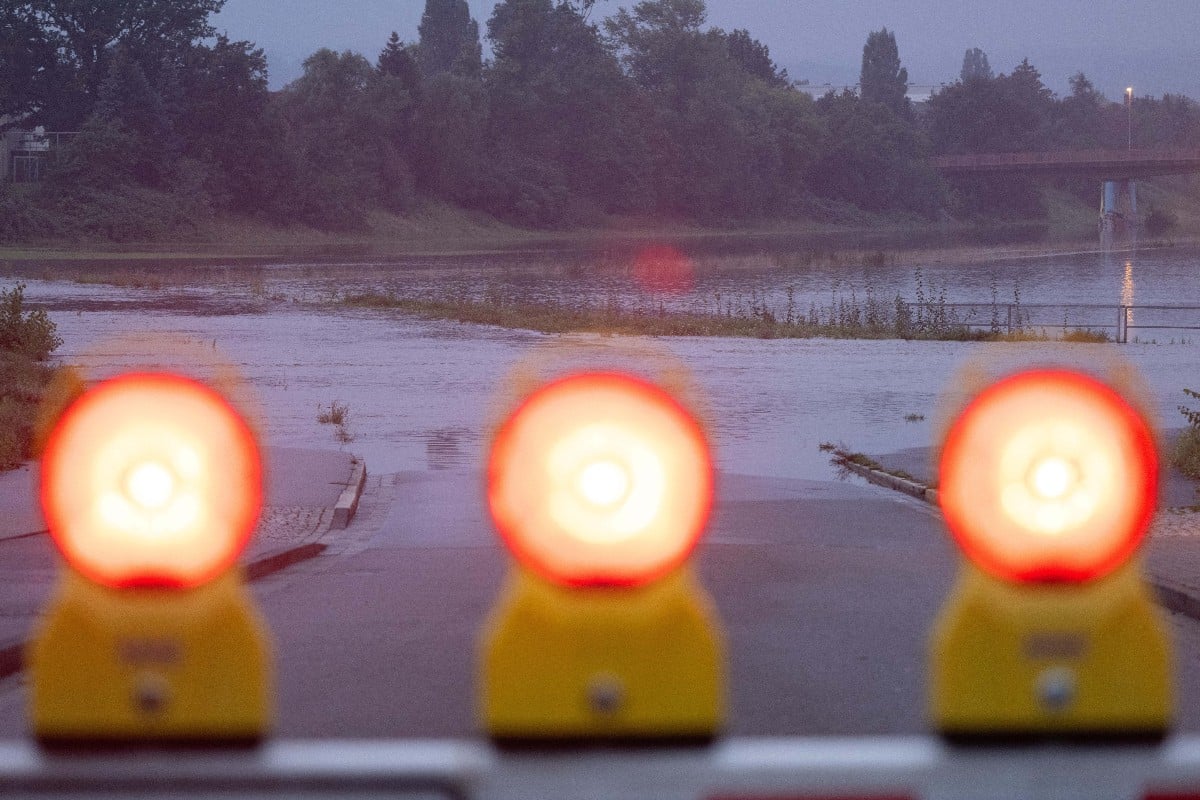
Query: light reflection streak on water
[1127,292]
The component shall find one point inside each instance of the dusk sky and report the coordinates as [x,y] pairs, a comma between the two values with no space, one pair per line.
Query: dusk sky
[1149,44]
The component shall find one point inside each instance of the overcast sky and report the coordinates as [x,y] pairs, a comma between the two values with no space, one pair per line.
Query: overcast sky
[1153,45]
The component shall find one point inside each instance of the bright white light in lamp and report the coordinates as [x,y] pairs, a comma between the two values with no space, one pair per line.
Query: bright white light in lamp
[150,485]
[1055,473]
[603,483]
[1053,477]
[600,479]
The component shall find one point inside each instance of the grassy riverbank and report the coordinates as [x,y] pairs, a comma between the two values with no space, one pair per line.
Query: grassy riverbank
[438,229]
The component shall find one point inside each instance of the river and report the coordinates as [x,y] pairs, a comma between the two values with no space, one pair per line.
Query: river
[423,394]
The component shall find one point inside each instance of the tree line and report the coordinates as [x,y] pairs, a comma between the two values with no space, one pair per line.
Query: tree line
[652,114]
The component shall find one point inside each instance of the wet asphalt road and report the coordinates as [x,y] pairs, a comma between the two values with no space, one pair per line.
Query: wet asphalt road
[827,591]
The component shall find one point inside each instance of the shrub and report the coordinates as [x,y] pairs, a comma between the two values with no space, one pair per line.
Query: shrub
[21,219]
[1186,455]
[31,334]
[22,383]
[124,213]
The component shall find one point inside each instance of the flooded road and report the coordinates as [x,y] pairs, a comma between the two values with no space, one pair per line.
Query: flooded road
[808,609]
[422,394]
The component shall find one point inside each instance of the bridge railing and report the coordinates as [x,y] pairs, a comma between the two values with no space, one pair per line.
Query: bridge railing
[1068,157]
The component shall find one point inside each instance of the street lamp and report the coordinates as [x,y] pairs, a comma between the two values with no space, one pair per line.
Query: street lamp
[1129,114]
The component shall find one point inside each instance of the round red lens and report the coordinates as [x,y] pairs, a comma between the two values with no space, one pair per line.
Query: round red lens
[600,478]
[151,479]
[1049,475]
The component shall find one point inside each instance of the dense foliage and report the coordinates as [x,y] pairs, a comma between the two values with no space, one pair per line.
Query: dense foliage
[27,338]
[654,114]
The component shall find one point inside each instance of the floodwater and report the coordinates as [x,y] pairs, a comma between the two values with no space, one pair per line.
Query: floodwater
[424,394]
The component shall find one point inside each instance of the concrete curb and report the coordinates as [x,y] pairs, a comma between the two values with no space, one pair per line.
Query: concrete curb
[12,652]
[1175,598]
[347,504]
[1171,597]
[889,481]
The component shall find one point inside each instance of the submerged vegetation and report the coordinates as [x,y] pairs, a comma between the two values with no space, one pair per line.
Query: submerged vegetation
[843,317]
[338,415]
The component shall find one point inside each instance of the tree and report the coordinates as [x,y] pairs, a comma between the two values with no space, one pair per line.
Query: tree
[132,106]
[399,61]
[1003,114]
[559,100]
[658,43]
[223,124]
[448,131]
[84,36]
[723,143]
[882,79]
[975,66]
[342,121]
[28,66]
[873,158]
[1078,119]
[449,39]
[755,58]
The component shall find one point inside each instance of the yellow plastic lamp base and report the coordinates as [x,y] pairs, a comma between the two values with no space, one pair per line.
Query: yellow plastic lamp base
[643,663]
[150,665]
[1078,660]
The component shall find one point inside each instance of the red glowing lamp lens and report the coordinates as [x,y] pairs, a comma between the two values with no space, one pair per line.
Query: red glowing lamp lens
[151,480]
[1049,476]
[600,479]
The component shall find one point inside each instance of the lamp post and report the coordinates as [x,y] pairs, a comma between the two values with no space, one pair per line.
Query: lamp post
[1129,114]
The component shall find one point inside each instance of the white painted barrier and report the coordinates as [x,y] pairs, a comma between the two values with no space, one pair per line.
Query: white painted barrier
[734,769]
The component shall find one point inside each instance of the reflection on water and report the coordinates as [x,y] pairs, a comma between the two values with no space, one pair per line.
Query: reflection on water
[445,448]
[422,394]
[1127,298]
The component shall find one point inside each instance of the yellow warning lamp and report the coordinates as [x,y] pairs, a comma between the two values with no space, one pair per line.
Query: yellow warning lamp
[601,485]
[1049,481]
[151,485]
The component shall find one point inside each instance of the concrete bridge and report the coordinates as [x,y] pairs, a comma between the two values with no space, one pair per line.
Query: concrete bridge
[1118,170]
[1104,164]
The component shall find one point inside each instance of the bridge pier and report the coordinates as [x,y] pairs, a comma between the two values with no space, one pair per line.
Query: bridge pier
[1118,206]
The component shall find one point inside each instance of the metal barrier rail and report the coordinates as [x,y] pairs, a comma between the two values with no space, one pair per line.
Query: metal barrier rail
[874,768]
[1009,318]
[1128,313]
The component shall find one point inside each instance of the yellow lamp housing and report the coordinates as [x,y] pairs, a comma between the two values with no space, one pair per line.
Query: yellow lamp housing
[151,487]
[601,485]
[1013,659]
[1048,484]
[632,664]
[153,665]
